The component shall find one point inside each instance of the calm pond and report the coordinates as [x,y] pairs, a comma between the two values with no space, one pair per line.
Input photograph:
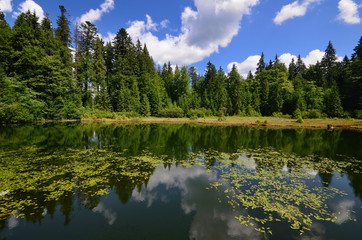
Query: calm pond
[179,181]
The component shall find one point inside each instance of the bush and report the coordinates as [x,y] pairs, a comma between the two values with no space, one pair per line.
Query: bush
[193,117]
[221,115]
[199,113]
[297,113]
[300,120]
[15,113]
[358,114]
[277,114]
[312,113]
[171,112]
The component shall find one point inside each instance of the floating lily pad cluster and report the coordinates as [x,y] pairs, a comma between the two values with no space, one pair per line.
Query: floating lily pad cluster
[269,185]
[273,186]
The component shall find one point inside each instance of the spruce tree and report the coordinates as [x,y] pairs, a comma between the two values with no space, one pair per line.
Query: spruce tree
[261,64]
[292,70]
[328,64]
[62,32]
[5,45]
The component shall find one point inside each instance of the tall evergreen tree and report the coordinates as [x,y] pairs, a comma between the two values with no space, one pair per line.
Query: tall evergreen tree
[292,70]
[261,64]
[5,45]
[328,64]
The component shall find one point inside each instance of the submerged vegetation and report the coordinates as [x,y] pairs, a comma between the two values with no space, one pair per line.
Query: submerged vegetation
[270,185]
[39,79]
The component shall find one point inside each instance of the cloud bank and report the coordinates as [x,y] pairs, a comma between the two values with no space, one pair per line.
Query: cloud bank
[30,5]
[250,64]
[6,6]
[348,12]
[203,31]
[293,10]
[96,14]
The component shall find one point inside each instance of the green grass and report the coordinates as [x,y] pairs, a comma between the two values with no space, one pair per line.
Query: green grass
[255,121]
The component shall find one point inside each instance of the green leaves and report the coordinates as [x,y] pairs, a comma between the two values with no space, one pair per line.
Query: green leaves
[267,185]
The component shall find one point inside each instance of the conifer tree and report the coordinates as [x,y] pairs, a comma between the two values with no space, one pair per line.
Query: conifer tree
[5,45]
[261,64]
[292,70]
[328,64]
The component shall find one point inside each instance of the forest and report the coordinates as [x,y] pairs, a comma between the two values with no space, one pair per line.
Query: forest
[48,72]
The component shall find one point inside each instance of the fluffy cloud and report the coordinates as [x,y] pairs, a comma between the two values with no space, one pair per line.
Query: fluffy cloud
[5,6]
[212,25]
[348,12]
[251,62]
[30,5]
[293,10]
[96,14]
[109,38]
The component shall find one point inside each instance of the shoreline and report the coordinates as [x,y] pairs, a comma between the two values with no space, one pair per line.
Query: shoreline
[238,121]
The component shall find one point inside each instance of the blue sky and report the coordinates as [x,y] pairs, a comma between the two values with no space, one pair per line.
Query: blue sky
[192,32]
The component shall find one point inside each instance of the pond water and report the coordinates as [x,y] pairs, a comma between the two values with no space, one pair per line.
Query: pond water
[179,181]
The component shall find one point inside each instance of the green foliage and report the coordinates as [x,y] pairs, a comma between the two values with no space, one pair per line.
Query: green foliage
[121,77]
[358,114]
[200,113]
[171,111]
[300,120]
[313,113]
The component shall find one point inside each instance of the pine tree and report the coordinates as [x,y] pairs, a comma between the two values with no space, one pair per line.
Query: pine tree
[5,45]
[328,64]
[86,71]
[292,70]
[332,102]
[300,66]
[62,32]
[235,90]
[261,64]
[358,50]
[100,76]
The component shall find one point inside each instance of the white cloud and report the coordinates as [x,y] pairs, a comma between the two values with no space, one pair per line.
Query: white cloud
[165,23]
[109,38]
[96,14]
[108,214]
[348,12]
[6,6]
[30,5]
[212,25]
[292,10]
[312,58]
[251,62]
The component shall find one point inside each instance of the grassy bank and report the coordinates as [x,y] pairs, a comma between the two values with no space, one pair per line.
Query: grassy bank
[252,121]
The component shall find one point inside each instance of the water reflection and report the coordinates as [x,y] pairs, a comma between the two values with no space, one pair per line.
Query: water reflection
[203,215]
[211,219]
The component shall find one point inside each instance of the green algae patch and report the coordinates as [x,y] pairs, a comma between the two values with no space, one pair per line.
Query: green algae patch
[262,186]
[275,187]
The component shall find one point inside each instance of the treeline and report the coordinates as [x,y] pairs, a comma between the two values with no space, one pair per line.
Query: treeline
[41,77]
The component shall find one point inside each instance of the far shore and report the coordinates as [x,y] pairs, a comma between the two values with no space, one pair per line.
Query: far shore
[242,121]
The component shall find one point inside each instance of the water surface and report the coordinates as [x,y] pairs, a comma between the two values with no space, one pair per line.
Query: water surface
[179,181]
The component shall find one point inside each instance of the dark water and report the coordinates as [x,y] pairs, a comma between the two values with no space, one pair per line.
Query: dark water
[168,200]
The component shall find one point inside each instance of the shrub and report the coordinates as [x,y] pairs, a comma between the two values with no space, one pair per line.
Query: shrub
[358,114]
[193,117]
[300,120]
[312,113]
[297,113]
[14,113]
[199,113]
[221,115]
[172,112]
[277,114]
